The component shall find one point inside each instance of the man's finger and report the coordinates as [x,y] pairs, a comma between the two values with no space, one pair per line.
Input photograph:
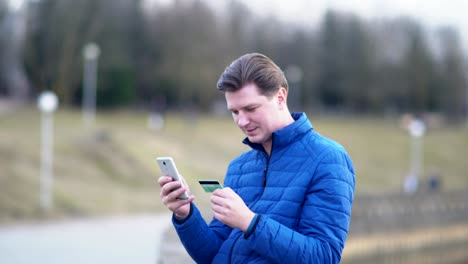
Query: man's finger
[163,180]
[220,193]
[218,200]
[173,194]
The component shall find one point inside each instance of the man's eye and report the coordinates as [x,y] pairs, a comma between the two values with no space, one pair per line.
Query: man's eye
[251,109]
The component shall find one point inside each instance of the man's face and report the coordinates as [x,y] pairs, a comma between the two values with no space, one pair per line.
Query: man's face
[255,114]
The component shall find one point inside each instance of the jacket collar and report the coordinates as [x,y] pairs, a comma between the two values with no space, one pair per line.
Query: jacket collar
[286,135]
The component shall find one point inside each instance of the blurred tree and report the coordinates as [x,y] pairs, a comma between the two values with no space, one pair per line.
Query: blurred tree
[331,59]
[123,45]
[175,52]
[3,12]
[357,66]
[185,36]
[299,50]
[345,62]
[58,31]
[419,70]
[389,43]
[451,94]
[3,8]
[268,35]
[303,50]
[117,87]
[13,82]
[235,32]
[53,48]
[404,72]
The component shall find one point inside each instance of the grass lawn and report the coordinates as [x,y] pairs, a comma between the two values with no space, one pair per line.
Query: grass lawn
[111,169]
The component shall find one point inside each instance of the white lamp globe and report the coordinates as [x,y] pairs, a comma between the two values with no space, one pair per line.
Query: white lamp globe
[47,102]
[417,128]
[91,51]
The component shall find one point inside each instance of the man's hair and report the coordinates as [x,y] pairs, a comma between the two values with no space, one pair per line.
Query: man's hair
[253,68]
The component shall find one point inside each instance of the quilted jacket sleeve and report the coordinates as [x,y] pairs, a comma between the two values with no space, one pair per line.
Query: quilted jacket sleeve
[201,241]
[323,223]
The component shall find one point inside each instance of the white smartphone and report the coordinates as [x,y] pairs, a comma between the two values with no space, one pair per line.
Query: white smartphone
[168,168]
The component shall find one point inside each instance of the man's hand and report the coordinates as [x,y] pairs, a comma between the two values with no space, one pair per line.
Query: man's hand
[170,191]
[230,209]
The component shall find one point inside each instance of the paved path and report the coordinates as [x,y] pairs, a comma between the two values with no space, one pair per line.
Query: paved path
[135,239]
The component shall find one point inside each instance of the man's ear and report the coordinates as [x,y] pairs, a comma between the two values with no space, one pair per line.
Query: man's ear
[281,96]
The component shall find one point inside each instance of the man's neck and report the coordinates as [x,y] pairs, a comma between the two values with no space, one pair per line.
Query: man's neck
[267,147]
[287,120]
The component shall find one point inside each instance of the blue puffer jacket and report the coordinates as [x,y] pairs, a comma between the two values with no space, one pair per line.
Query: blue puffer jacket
[303,193]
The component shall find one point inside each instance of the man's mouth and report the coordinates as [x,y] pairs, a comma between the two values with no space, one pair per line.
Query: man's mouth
[250,131]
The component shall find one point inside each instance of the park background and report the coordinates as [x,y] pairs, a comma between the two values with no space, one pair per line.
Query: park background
[361,81]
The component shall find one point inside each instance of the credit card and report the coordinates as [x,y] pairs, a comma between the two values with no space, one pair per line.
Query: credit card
[210,185]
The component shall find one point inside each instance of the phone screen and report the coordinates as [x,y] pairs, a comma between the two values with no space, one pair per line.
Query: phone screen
[210,185]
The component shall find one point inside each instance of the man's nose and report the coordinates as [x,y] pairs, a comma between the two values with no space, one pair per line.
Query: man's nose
[242,120]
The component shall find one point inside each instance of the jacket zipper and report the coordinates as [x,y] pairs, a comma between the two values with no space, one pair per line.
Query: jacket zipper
[265,172]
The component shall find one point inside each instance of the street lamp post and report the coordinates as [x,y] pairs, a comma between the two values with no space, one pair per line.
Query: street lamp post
[91,53]
[416,129]
[47,103]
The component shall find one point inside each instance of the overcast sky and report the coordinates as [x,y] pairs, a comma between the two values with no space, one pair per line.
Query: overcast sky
[431,13]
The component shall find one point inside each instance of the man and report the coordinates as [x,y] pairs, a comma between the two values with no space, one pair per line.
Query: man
[287,200]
